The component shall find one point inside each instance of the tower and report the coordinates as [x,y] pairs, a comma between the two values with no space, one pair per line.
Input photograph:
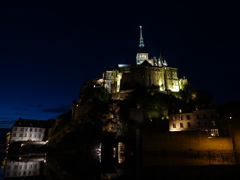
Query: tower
[142,55]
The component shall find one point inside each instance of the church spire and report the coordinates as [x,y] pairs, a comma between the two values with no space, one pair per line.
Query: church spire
[141,43]
[142,55]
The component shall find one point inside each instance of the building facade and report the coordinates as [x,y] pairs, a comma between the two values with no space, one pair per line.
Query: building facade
[28,130]
[204,120]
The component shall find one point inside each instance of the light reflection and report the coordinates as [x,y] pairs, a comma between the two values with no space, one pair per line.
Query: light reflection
[23,166]
[121,152]
[114,152]
[98,151]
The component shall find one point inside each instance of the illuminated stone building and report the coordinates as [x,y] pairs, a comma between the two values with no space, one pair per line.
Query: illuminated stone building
[28,130]
[150,73]
[207,120]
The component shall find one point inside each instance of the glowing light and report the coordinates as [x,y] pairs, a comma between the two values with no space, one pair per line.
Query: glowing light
[114,152]
[121,152]
[194,96]
[98,151]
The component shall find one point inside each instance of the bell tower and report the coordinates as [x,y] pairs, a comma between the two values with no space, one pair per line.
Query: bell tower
[142,55]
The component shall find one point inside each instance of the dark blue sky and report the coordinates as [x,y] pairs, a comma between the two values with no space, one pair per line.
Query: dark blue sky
[48,49]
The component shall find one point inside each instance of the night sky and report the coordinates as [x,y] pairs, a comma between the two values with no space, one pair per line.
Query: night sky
[48,50]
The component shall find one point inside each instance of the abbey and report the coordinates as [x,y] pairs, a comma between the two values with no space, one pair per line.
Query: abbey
[149,73]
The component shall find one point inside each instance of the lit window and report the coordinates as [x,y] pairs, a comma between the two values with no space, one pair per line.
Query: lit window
[214,132]
[181,125]
[174,125]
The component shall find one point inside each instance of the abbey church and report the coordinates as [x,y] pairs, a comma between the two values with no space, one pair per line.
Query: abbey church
[150,73]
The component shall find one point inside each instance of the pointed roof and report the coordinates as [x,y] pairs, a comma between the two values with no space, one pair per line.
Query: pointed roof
[141,48]
[141,43]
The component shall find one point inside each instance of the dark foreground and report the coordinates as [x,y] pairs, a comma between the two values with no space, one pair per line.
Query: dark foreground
[190,172]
